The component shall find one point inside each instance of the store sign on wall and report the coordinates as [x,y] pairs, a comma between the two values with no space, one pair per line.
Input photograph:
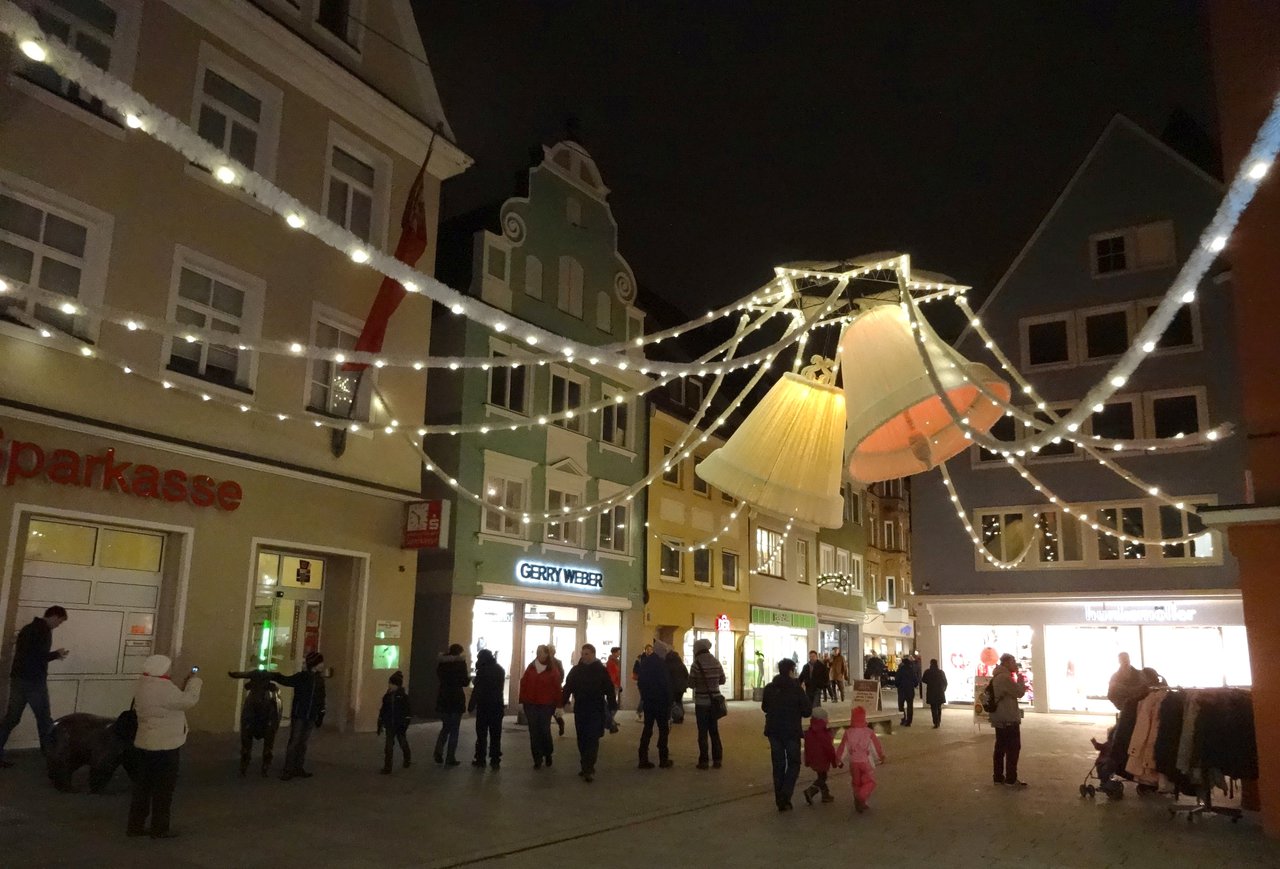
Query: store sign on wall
[551,574]
[723,623]
[1138,612]
[426,525]
[782,618]
[24,460]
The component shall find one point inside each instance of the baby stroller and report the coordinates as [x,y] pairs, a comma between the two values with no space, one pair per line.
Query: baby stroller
[1103,772]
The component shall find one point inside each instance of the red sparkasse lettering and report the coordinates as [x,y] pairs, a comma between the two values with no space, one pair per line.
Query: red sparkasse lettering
[175,485]
[64,467]
[113,474]
[202,490]
[229,495]
[146,481]
[19,449]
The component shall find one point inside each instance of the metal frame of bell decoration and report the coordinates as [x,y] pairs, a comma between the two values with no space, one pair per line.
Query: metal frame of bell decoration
[786,455]
[898,425]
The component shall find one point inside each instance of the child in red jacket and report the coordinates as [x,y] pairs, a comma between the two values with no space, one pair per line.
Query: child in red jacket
[819,755]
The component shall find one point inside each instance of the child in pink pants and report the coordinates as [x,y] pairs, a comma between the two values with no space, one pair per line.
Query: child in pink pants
[859,741]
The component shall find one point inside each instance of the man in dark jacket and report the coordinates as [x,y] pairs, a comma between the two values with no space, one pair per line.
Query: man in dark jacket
[451,702]
[591,690]
[785,704]
[305,713]
[653,679]
[679,675]
[394,717]
[906,680]
[29,677]
[935,694]
[814,678]
[488,702]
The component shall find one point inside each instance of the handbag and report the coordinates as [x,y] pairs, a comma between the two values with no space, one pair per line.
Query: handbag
[719,706]
[127,725]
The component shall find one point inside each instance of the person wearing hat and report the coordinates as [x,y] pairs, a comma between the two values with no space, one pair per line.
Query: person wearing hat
[161,707]
[394,717]
[784,705]
[1008,688]
[819,755]
[306,713]
[706,676]
[862,745]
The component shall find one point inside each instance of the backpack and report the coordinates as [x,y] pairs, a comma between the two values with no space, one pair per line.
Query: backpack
[988,698]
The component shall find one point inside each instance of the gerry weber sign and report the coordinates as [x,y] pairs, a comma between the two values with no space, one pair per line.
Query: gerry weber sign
[1138,612]
[550,574]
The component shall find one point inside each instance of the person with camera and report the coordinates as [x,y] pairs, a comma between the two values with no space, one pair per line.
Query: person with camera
[161,707]
[1007,687]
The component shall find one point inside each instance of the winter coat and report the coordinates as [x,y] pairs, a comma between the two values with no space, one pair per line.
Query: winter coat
[678,675]
[162,706]
[451,670]
[540,688]
[705,677]
[838,669]
[614,667]
[875,667]
[654,682]
[1008,692]
[308,695]
[860,742]
[819,746]
[784,704]
[394,716]
[935,686]
[906,678]
[591,690]
[814,675]
[488,692]
[1125,683]
[31,652]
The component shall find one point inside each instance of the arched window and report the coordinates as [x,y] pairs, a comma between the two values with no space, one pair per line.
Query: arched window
[570,286]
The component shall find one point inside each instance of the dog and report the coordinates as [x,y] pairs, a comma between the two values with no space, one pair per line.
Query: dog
[259,717]
[81,739]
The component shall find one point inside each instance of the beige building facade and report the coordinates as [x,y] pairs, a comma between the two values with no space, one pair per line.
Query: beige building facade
[889,629]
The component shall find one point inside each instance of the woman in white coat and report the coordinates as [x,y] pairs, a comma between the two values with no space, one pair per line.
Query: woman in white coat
[162,730]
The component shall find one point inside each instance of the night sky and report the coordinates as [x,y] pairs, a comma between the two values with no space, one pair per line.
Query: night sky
[739,135]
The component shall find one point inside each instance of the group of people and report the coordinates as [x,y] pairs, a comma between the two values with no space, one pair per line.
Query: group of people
[825,676]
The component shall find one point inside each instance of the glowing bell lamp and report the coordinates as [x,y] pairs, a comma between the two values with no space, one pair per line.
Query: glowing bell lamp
[898,426]
[785,457]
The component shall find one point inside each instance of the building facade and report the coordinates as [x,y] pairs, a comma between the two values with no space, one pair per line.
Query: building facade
[549,256]
[1072,300]
[841,580]
[185,496]
[784,597]
[890,623]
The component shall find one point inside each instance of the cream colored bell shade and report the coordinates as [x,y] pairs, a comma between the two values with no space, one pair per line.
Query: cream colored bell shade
[786,455]
[898,425]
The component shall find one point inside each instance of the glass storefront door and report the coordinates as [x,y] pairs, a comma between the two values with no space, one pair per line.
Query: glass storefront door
[287,605]
[1079,661]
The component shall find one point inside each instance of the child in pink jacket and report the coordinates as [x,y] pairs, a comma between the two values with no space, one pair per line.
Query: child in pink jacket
[859,741]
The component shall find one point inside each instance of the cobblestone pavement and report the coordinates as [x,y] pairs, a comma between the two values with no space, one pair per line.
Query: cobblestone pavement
[935,806]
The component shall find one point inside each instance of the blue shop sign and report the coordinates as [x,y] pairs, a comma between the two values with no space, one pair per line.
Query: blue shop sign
[551,574]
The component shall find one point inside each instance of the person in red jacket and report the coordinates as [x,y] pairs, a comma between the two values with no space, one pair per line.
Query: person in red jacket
[540,695]
[614,666]
[819,755]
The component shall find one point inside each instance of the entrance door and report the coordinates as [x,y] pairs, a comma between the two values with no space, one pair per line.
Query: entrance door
[287,606]
[563,636]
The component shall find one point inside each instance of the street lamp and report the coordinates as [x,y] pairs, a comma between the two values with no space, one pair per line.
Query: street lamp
[882,605]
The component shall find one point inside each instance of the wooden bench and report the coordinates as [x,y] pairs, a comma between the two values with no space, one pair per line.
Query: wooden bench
[884,720]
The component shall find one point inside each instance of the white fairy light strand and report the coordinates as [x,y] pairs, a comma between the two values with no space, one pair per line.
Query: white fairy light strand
[979,546]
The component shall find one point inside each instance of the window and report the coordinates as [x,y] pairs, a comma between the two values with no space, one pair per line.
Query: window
[842,568]
[855,573]
[1109,254]
[105,33]
[237,111]
[533,277]
[506,492]
[1058,541]
[826,559]
[669,558]
[852,505]
[769,552]
[349,193]
[873,586]
[727,498]
[672,465]
[1121,520]
[570,297]
[702,566]
[692,392]
[635,325]
[339,18]
[573,211]
[207,296]
[891,590]
[701,486]
[1062,447]
[1003,430]
[497,259]
[1148,246]
[507,385]
[890,534]
[569,532]
[1047,340]
[567,395]
[1172,414]
[802,561]
[604,312]
[331,390]
[1116,421]
[729,570]
[613,529]
[615,420]
[1106,333]
[1183,330]
[1175,523]
[1004,534]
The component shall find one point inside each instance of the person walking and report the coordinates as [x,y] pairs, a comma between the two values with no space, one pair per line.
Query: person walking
[591,691]
[305,713]
[161,707]
[1008,688]
[838,672]
[654,682]
[859,743]
[819,755]
[678,674]
[706,676]
[635,675]
[559,667]
[29,677]
[488,702]
[813,678]
[394,717]
[540,695]
[935,685]
[906,682]
[451,702]
[785,703]
[614,666]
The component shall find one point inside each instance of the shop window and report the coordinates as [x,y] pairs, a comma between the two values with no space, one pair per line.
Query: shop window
[1048,340]
[104,32]
[130,550]
[1116,421]
[769,546]
[61,542]
[1004,430]
[569,299]
[729,570]
[1059,540]
[615,419]
[1106,333]
[533,277]
[1173,414]
[350,194]
[669,558]
[702,566]
[497,262]
[493,628]
[672,465]
[331,390]
[207,296]
[604,313]
[802,561]
[502,491]
[604,631]
[1175,523]
[507,386]
[567,395]
[1183,330]
[237,111]
[570,531]
[1126,521]
[1004,534]
[826,559]
[613,529]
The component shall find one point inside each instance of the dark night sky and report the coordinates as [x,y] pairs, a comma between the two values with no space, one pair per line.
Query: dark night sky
[739,135]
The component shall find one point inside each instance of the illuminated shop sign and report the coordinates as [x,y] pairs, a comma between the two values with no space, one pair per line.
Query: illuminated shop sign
[551,574]
[1138,612]
[723,623]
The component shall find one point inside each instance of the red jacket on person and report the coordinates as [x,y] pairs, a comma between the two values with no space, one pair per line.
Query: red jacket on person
[819,747]
[540,689]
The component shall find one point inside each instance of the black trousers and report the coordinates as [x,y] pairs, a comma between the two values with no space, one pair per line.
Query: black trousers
[819,784]
[936,710]
[541,745]
[708,730]
[389,751]
[153,786]
[652,716]
[449,724]
[489,734]
[907,706]
[1004,760]
[589,749]
[295,755]
[784,753]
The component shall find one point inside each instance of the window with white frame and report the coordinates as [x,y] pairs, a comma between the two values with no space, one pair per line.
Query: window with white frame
[604,312]
[1060,449]
[635,325]
[533,277]
[842,568]
[1118,420]
[1172,413]
[496,262]
[873,586]
[1058,538]
[614,529]
[769,546]
[615,419]
[1109,254]
[855,573]
[1122,521]
[508,385]
[700,486]
[54,248]
[1183,331]
[1105,332]
[568,532]
[568,393]
[1004,533]
[890,534]
[826,559]
[104,32]
[702,566]
[1174,523]
[342,19]
[852,505]
[802,561]
[1048,340]
[669,558]
[891,590]
[1003,430]
[1148,246]
[508,489]
[331,390]
[729,570]
[672,465]
[692,392]
[237,111]
[570,284]
[209,295]
[350,193]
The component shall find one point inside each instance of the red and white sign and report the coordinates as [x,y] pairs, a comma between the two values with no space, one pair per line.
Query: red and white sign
[723,623]
[426,525]
[24,460]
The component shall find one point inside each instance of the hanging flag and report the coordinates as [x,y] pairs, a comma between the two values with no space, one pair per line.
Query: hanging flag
[412,244]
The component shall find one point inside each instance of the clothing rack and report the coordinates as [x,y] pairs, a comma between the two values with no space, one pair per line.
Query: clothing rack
[1204,793]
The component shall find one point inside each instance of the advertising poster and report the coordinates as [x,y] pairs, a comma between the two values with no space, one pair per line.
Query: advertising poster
[866,693]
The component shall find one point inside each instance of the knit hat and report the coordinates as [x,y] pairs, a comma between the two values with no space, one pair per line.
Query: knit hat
[858,717]
[397,679]
[821,714]
[485,657]
[313,660]
[660,648]
[156,665]
[700,646]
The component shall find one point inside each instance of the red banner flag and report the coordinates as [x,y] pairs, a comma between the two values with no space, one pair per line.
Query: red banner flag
[412,244]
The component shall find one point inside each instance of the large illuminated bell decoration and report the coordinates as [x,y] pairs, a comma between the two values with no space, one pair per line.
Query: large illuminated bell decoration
[898,425]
